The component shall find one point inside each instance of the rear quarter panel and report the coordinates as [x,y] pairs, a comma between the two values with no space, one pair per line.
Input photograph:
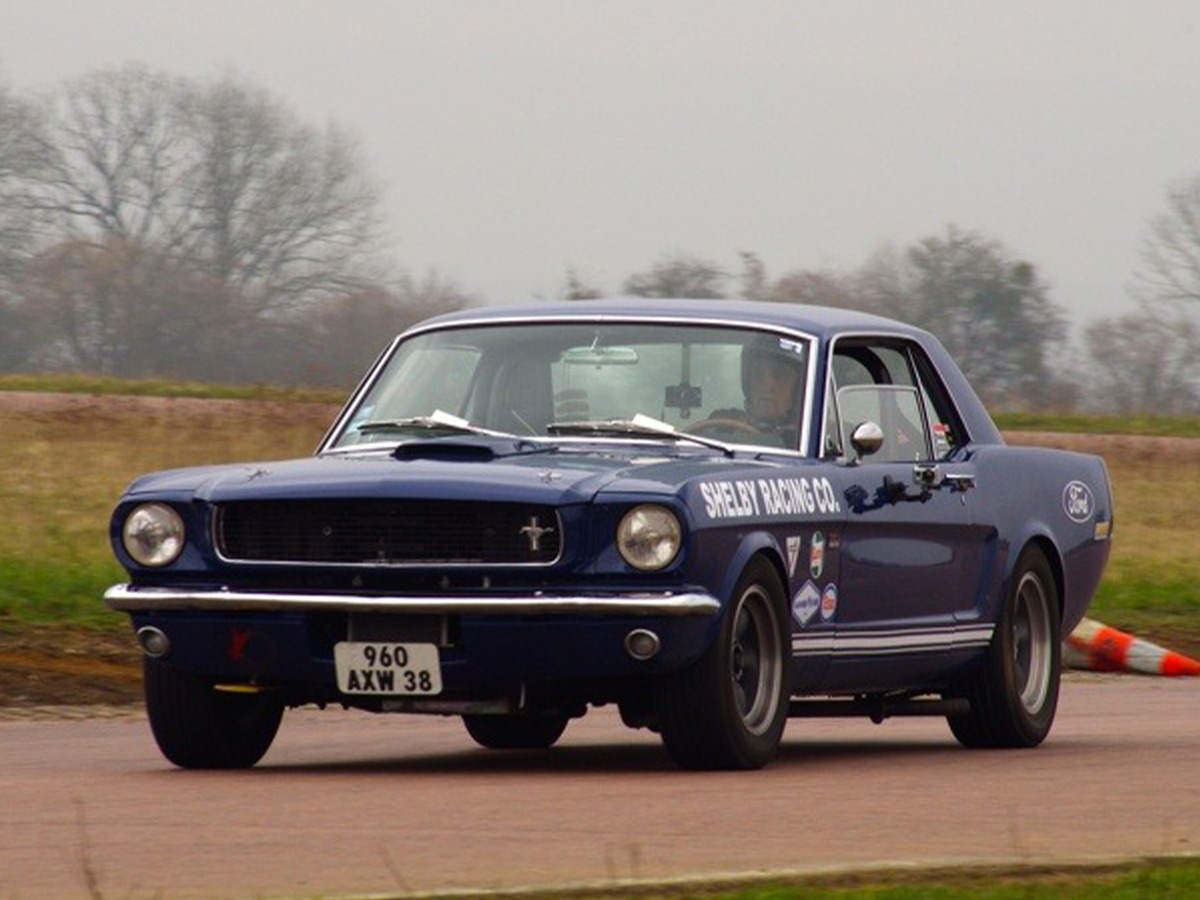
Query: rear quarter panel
[1057,499]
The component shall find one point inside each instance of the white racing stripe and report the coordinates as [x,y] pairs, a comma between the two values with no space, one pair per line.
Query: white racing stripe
[891,641]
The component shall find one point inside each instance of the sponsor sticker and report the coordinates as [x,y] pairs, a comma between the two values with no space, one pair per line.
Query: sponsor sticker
[793,553]
[816,555]
[806,602]
[1078,502]
[828,603]
[941,437]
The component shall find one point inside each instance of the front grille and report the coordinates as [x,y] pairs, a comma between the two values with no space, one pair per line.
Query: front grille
[387,532]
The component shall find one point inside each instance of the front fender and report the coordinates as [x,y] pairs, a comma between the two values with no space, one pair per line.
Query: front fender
[751,544]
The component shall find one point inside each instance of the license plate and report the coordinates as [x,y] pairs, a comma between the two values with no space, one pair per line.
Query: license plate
[386,668]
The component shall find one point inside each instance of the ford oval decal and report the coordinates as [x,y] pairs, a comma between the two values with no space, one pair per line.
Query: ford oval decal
[1078,501]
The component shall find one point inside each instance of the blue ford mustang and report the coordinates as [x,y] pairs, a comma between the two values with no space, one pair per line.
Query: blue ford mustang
[714,515]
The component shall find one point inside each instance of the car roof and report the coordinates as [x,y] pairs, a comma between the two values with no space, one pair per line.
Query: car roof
[819,321]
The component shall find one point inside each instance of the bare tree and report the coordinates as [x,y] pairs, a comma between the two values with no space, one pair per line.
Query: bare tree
[1171,251]
[679,275]
[116,152]
[230,217]
[118,307]
[885,284]
[817,287]
[992,311]
[575,287]
[1147,361]
[753,277]
[348,332]
[430,295]
[221,174]
[278,211]
[22,160]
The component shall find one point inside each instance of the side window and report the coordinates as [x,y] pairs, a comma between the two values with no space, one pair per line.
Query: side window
[947,430]
[896,409]
[889,382]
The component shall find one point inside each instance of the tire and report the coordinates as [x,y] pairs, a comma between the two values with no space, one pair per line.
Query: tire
[199,727]
[728,709]
[1014,695]
[515,732]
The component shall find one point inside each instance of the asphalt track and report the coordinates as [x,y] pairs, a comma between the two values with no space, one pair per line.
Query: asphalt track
[349,803]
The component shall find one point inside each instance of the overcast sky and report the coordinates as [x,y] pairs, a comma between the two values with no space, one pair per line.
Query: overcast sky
[518,139]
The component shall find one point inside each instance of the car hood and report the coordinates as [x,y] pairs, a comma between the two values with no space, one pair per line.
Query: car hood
[450,470]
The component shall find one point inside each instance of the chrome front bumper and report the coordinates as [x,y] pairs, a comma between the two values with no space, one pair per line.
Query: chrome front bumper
[130,598]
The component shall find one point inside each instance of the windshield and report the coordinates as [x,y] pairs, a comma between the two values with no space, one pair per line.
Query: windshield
[539,380]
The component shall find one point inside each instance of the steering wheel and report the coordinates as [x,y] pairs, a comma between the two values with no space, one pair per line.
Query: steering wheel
[721,424]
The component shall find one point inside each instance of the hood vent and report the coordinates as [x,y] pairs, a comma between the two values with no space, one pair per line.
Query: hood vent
[454,451]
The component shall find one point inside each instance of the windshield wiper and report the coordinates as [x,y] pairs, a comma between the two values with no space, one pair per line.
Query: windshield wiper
[639,426]
[439,421]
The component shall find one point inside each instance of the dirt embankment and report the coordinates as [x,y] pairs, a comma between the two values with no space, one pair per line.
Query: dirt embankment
[1115,448]
[48,666]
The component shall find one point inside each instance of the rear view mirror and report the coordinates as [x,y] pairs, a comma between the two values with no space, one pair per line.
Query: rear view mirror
[601,356]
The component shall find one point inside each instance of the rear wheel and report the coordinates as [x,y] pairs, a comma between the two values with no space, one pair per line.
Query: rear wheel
[1014,695]
[728,709]
[515,732]
[199,727]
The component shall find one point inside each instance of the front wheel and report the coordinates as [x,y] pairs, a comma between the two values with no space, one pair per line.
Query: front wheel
[728,709]
[1014,695]
[515,732]
[198,727]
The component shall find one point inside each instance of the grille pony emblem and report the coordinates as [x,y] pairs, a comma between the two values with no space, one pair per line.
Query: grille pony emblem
[534,531]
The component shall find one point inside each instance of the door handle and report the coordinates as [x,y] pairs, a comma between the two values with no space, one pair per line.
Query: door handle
[929,476]
[960,481]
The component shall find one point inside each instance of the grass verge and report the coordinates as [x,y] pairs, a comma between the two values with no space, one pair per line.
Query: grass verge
[1160,879]
[62,468]
[35,593]
[1169,877]
[1152,426]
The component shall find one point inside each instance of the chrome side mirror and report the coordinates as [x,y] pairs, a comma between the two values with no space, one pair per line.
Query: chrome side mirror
[866,439]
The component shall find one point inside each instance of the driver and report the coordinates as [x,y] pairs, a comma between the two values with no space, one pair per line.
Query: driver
[771,383]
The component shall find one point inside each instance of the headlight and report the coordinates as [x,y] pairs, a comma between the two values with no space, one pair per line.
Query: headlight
[649,537]
[153,535]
